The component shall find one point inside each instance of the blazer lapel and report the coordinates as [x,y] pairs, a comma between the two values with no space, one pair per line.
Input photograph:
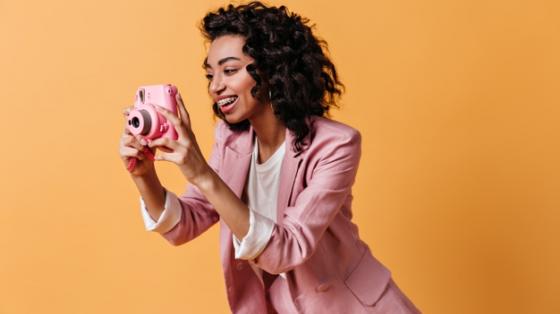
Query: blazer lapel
[288,174]
[237,158]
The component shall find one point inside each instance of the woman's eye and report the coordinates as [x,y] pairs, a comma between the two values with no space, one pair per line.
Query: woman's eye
[209,77]
[230,71]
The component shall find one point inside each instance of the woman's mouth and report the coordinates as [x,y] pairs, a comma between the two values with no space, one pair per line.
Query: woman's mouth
[226,104]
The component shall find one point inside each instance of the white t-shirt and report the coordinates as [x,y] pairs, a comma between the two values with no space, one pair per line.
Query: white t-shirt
[262,195]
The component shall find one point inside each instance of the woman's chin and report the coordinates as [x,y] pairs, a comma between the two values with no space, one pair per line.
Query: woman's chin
[236,117]
[232,119]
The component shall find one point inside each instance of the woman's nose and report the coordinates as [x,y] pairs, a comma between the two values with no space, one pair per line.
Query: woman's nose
[216,85]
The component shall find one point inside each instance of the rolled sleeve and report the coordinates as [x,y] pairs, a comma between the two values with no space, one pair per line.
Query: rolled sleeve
[256,239]
[170,216]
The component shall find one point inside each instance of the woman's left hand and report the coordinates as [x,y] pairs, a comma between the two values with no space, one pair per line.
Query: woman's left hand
[184,151]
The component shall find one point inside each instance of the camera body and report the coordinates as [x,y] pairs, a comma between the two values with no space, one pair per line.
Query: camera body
[144,120]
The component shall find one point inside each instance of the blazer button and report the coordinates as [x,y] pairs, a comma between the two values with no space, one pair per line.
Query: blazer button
[323,287]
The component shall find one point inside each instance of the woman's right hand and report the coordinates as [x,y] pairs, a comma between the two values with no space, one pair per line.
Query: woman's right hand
[131,146]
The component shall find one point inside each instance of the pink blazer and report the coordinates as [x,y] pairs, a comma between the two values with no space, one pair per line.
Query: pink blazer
[328,268]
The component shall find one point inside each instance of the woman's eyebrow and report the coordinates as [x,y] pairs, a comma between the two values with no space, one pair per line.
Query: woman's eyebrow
[222,61]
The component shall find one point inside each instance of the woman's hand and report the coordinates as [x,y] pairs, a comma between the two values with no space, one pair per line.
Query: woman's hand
[185,151]
[132,147]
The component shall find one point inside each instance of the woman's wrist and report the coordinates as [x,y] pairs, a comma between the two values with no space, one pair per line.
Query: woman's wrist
[148,179]
[205,180]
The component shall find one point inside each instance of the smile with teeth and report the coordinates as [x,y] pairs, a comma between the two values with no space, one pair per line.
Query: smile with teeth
[226,101]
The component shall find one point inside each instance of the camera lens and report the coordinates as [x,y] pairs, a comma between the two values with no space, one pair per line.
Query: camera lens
[135,122]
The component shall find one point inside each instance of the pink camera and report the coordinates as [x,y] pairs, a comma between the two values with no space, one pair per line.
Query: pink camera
[144,120]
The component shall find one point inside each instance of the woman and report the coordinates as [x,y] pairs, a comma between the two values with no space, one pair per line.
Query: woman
[279,177]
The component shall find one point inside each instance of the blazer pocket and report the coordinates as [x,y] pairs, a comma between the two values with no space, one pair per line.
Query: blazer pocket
[368,280]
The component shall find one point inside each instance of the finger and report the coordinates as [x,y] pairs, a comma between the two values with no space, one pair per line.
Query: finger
[131,141]
[164,143]
[126,112]
[136,145]
[171,117]
[185,117]
[165,149]
[130,152]
[126,130]
[166,157]
[141,140]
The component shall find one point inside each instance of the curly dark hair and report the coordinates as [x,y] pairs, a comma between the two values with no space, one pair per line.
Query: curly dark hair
[290,67]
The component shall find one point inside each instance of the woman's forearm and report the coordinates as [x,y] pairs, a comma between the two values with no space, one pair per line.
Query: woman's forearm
[230,208]
[152,192]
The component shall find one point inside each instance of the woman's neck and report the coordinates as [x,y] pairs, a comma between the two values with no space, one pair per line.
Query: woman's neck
[270,131]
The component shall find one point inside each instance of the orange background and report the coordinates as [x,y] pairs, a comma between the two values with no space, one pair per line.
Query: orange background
[457,192]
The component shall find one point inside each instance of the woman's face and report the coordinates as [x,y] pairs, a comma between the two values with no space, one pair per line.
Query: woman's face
[229,82]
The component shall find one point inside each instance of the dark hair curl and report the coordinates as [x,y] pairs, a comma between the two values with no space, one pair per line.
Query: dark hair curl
[290,67]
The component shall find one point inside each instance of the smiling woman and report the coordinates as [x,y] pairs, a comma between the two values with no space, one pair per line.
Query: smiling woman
[230,83]
[280,175]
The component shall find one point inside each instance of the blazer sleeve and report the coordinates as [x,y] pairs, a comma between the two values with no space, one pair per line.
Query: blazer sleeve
[295,239]
[197,214]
